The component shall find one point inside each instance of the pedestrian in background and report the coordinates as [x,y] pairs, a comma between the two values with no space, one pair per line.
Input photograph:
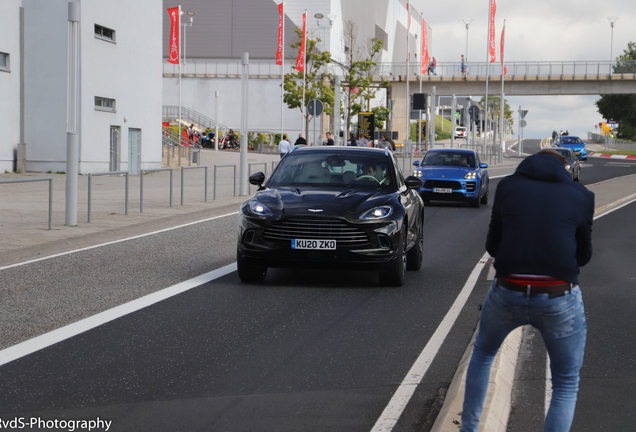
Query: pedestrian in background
[463,66]
[283,147]
[433,66]
[384,143]
[300,140]
[354,140]
[329,139]
[363,141]
[540,234]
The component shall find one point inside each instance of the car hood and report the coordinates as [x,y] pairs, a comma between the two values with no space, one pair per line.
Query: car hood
[301,201]
[451,173]
[574,146]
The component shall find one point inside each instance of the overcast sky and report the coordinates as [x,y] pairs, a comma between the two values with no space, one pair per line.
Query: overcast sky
[537,30]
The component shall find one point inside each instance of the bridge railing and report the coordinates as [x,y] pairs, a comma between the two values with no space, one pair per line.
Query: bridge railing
[538,69]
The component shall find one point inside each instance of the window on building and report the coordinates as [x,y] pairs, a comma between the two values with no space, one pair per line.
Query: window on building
[102,32]
[104,104]
[4,61]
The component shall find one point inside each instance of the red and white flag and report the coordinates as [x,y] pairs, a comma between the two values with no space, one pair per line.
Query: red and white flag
[300,61]
[279,52]
[173,56]
[424,57]
[491,32]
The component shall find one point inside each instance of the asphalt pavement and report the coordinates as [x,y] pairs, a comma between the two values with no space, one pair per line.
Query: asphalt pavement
[24,210]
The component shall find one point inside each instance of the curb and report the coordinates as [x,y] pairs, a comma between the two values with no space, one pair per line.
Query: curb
[497,405]
[613,156]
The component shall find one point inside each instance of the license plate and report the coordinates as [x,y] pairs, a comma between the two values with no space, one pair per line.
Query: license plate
[577,154]
[313,244]
[443,190]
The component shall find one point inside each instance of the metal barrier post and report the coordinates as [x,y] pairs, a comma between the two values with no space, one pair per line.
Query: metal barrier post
[205,187]
[233,184]
[141,191]
[182,171]
[50,180]
[89,197]
[182,180]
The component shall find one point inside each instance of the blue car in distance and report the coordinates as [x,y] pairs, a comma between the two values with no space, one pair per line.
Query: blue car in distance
[574,143]
[453,175]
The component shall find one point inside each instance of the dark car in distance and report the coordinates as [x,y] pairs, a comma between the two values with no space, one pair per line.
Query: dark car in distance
[573,166]
[451,174]
[333,207]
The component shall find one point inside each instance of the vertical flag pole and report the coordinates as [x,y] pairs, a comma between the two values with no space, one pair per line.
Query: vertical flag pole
[407,134]
[502,104]
[282,73]
[179,32]
[304,48]
[483,128]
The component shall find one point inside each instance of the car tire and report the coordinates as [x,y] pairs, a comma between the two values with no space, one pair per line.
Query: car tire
[484,199]
[475,203]
[249,273]
[578,176]
[395,275]
[415,256]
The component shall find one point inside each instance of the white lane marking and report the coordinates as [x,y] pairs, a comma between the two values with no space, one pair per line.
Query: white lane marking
[115,241]
[404,392]
[43,341]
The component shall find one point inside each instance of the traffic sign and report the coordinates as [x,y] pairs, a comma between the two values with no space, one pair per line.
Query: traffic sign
[473,111]
[457,114]
[523,123]
[523,113]
[314,107]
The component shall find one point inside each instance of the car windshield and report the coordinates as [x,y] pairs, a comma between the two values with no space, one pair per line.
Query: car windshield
[571,140]
[326,169]
[449,158]
[566,153]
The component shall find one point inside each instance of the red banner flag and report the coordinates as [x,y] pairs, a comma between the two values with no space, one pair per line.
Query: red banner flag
[503,31]
[173,57]
[279,52]
[492,45]
[300,61]
[424,57]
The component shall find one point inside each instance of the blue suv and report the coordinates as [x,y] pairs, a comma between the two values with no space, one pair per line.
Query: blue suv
[574,143]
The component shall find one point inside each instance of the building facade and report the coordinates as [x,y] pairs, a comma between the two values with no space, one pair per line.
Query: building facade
[222,30]
[119,81]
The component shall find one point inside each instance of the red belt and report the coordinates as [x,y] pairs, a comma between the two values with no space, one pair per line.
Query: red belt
[534,289]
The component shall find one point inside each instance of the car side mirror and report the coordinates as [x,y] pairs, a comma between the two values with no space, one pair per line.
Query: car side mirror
[257,179]
[413,182]
[483,165]
[416,163]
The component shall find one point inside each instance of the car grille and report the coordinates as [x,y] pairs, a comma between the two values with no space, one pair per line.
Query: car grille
[316,228]
[430,184]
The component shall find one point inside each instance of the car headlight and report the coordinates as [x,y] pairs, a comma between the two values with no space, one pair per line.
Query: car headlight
[260,209]
[377,213]
[567,167]
[417,173]
[471,176]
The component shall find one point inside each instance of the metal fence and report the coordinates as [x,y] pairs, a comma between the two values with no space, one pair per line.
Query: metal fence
[520,70]
[50,180]
[611,143]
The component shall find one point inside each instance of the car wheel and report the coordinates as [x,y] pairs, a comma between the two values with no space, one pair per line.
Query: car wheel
[415,255]
[578,176]
[475,203]
[247,272]
[484,199]
[396,274]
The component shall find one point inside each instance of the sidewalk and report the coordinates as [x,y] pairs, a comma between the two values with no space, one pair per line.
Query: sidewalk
[24,232]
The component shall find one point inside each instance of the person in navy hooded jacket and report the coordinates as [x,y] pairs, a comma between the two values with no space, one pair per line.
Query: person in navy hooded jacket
[540,234]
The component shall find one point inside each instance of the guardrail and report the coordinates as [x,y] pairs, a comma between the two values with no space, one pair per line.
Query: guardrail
[141,185]
[587,69]
[233,184]
[205,182]
[611,143]
[90,189]
[50,180]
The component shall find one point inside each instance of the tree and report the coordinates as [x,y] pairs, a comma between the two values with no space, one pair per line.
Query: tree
[622,108]
[317,79]
[494,105]
[359,77]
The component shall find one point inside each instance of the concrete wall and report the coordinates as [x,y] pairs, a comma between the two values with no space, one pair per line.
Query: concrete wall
[127,71]
[9,83]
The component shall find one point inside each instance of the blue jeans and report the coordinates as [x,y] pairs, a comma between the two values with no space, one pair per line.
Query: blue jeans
[561,322]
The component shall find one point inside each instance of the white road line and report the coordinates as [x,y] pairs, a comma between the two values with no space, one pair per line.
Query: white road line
[51,338]
[115,241]
[404,392]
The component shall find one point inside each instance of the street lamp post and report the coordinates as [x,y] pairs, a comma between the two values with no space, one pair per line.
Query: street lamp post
[612,21]
[466,53]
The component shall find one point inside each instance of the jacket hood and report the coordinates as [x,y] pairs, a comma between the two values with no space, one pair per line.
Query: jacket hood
[543,167]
